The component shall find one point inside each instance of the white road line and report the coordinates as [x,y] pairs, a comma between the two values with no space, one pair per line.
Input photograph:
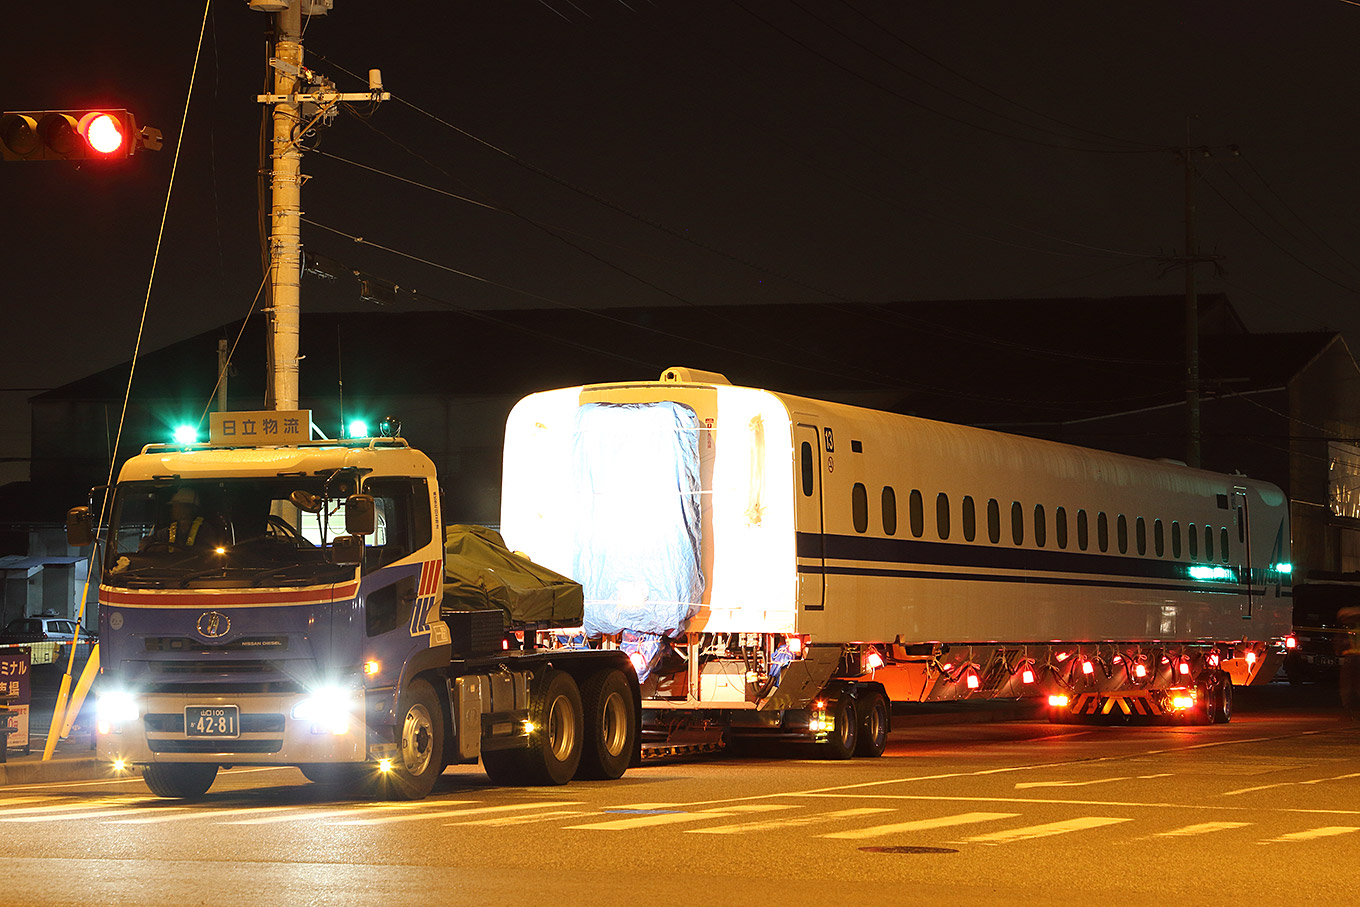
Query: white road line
[791,822]
[1327,831]
[1030,832]
[635,822]
[102,814]
[23,800]
[72,807]
[1336,778]
[205,814]
[1025,785]
[446,813]
[878,831]
[1247,790]
[551,814]
[1202,828]
[1141,804]
[301,815]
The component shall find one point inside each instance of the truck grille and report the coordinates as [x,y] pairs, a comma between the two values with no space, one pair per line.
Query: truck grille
[272,745]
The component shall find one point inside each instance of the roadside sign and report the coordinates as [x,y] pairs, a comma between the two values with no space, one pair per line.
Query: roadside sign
[14,686]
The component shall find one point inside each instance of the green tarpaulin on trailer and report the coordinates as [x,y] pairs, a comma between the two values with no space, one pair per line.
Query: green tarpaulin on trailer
[480,572]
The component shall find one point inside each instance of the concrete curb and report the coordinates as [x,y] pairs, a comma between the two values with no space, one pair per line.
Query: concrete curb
[32,770]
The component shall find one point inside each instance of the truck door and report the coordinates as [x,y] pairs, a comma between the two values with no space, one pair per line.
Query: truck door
[810,542]
[1242,528]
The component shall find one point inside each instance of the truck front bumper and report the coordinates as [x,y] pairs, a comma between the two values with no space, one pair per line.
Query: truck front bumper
[266,732]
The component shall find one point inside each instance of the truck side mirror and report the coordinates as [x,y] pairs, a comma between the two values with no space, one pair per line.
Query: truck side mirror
[359,518]
[347,550]
[79,529]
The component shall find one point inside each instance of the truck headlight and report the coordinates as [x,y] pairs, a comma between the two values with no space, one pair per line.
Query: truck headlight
[329,710]
[113,708]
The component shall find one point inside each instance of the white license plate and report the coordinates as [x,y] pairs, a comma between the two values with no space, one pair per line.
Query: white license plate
[212,721]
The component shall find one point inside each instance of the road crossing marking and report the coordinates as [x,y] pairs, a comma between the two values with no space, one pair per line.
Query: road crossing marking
[672,818]
[791,822]
[878,831]
[1024,785]
[1327,831]
[445,813]
[503,821]
[206,814]
[302,815]
[1030,832]
[53,807]
[70,816]
[1201,828]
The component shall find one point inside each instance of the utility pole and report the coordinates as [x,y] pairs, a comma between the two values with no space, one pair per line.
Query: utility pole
[1192,432]
[302,101]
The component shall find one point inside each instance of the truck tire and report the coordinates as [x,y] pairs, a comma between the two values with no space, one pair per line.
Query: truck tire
[420,742]
[1223,699]
[610,726]
[181,780]
[844,736]
[875,719]
[554,751]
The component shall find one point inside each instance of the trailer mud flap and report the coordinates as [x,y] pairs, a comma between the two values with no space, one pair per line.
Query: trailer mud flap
[801,681]
[1131,703]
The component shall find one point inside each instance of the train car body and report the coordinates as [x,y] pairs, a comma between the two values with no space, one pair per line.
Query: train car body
[723,510]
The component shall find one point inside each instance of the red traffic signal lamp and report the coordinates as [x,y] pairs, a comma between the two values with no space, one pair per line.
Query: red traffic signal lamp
[71,135]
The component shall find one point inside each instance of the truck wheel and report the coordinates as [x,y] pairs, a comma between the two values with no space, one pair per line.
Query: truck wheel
[873,726]
[555,746]
[844,735]
[1206,694]
[610,726]
[1223,700]
[181,780]
[420,742]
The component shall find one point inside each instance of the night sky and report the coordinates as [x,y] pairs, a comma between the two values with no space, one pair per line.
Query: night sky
[590,153]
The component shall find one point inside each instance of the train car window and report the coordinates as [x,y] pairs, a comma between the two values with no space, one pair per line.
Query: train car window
[1083,536]
[1140,535]
[1194,542]
[806,454]
[942,515]
[1040,526]
[994,521]
[859,507]
[1175,539]
[1158,538]
[889,511]
[1102,531]
[1241,526]
[1208,543]
[916,512]
[1122,533]
[1223,538]
[1060,526]
[1017,523]
[969,519]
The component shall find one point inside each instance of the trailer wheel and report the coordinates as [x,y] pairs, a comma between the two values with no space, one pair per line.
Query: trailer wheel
[873,726]
[1223,699]
[554,752]
[181,780]
[844,735]
[610,726]
[420,742]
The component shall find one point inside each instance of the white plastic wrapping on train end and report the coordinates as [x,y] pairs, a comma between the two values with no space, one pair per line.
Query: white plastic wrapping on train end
[746,528]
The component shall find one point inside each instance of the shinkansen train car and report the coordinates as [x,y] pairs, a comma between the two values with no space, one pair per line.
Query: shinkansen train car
[769,558]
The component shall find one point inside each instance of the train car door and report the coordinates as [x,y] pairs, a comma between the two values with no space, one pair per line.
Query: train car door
[810,543]
[1242,526]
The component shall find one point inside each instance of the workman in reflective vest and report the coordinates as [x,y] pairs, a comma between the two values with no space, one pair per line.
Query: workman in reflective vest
[188,527]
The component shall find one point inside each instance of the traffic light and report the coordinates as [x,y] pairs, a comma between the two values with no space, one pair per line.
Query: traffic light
[72,135]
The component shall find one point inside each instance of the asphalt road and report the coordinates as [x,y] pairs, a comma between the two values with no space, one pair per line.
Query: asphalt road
[1266,809]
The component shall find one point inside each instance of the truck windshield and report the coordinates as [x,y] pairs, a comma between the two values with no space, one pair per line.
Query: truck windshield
[185,533]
